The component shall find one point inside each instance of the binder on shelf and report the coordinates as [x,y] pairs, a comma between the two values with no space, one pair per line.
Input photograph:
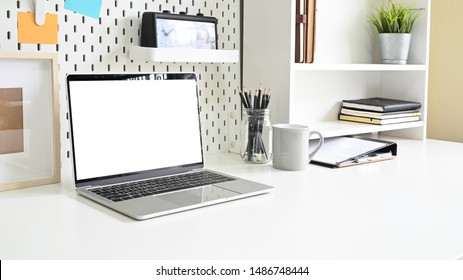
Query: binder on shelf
[345,151]
[305,31]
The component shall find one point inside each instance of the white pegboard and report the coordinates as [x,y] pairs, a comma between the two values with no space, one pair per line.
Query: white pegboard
[102,45]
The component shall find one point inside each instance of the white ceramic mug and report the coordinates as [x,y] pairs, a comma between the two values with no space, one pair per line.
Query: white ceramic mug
[291,146]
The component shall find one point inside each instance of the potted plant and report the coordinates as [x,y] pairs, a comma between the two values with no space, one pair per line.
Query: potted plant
[394,23]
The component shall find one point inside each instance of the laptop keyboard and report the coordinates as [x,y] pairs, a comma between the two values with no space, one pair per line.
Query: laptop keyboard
[131,190]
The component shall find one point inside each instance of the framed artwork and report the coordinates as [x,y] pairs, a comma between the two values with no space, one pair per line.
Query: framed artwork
[29,120]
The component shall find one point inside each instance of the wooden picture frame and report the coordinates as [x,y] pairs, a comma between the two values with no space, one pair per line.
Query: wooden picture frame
[29,120]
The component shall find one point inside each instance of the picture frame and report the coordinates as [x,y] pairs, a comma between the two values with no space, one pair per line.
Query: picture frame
[167,30]
[29,120]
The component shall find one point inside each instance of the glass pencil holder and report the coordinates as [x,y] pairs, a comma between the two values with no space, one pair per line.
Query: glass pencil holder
[256,136]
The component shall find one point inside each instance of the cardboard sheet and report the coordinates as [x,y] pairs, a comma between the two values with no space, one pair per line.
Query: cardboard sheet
[11,121]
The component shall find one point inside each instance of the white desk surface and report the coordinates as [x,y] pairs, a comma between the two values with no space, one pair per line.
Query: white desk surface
[407,208]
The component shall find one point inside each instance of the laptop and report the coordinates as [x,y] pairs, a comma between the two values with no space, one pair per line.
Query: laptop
[137,148]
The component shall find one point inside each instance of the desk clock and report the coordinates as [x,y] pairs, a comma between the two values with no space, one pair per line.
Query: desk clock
[167,30]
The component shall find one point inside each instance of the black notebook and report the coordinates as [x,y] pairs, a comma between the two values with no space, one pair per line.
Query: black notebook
[379,104]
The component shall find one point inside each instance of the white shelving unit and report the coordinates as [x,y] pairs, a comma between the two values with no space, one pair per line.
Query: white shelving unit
[358,67]
[346,65]
[182,55]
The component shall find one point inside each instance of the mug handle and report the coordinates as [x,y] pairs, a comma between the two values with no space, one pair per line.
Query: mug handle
[319,145]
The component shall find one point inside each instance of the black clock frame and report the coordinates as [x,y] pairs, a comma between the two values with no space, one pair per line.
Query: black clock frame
[149,36]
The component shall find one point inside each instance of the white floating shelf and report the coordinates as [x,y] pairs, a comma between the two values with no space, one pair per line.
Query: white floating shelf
[340,128]
[358,67]
[183,55]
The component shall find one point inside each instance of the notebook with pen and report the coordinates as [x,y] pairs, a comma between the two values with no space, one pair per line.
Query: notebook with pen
[346,151]
[137,148]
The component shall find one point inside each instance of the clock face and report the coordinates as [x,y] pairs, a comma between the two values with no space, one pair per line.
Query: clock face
[185,34]
[165,33]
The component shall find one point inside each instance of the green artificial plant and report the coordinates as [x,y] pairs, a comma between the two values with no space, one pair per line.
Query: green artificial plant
[395,18]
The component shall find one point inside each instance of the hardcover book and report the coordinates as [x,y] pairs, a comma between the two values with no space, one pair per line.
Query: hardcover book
[301,20]
[379,104]
[310,31]
[305,31]
[377,121]
[377,115]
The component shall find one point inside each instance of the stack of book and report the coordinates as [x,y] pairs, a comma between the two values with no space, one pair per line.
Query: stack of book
[377,110]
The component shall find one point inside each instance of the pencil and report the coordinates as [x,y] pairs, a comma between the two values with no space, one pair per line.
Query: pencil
[243,99]
[247,97]
[259,97]
[267,99]
[256,101]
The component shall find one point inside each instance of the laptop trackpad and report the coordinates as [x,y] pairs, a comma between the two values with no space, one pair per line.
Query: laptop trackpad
[158,204]
[199,195]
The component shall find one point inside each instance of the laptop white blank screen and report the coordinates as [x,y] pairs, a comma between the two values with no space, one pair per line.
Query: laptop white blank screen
[124,126]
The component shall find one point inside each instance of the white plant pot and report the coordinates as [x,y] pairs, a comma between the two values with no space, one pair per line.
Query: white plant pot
[394,47]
